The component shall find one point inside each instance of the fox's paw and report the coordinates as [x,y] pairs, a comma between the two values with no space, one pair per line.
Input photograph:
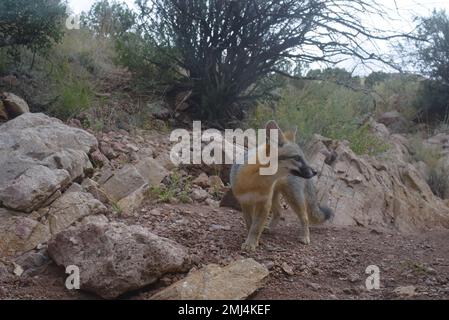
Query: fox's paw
[249,246]
[304,240]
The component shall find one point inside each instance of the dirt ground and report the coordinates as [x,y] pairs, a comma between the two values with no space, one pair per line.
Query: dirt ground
[332,267]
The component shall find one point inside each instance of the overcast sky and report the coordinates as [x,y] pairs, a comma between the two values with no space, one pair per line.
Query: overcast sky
[402,13]
[405,6]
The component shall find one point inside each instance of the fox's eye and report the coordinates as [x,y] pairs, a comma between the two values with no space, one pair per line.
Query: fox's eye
[297,158]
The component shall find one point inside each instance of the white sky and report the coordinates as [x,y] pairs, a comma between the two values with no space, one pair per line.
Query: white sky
[84,5]
[417,6]
[402,15]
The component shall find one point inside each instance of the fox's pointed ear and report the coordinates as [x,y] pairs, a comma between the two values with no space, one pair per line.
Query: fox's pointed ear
[272,125]
[295,131]
[291,135]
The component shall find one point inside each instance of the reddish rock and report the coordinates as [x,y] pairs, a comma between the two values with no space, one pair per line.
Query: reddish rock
[116,258]
[99,159]
[107,151]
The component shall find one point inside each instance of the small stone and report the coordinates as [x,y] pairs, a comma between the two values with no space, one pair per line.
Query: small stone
[18,270]
[132,147]
[216,227]
[213,203]
[202,181]
[287,269]
[314,286]
[354,278]
[155,212]
[199,195]
[347,291]
[269,264]
[408,291]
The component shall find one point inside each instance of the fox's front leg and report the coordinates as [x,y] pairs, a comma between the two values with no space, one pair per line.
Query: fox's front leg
[259,219]
[299,206]
[304,218]
[275,210]
[248,211]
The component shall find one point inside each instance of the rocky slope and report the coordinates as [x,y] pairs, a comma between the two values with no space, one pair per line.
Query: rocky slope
[386,192]
[114,205]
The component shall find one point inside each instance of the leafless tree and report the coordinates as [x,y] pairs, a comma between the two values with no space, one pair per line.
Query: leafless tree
[228,46]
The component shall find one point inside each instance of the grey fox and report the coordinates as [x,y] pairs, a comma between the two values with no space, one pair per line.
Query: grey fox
[258,194]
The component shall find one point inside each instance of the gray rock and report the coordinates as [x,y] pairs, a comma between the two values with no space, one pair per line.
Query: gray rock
[93,188]
[98,219]
[38,156]
[15,106]
[132,178]
[123,183]
[199,195]
[407,291]
[70,208]
[115,258]
[152,171]
[75,187]
[30,190]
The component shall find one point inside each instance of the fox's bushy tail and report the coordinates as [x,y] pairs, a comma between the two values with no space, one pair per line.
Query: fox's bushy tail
[317,214]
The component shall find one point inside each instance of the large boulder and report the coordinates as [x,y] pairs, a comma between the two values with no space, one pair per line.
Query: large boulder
[114,258]
[236,281]
[40,155]
[382,192]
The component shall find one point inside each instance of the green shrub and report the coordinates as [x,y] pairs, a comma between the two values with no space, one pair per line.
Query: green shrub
[398,93]
[438,179]
[36,24]
[176,187]
[432,102]
[421,152]
[76,97]
[4,61]
[142,58]
[322,108]
[416,98]
[74,94]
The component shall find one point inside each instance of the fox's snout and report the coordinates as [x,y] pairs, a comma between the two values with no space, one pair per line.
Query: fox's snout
[305,172]
[309,173]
